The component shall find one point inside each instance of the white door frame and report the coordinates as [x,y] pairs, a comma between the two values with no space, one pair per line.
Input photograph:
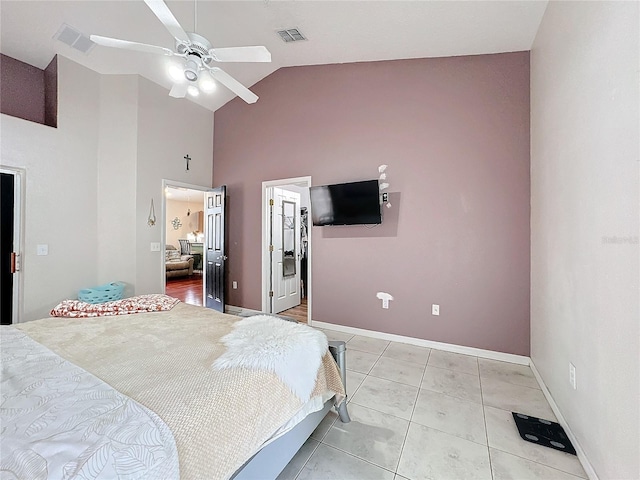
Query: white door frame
[163,231]
[300,181]
[19,182]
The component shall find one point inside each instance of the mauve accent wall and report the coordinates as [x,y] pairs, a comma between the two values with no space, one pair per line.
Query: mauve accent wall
[51,93]
[21,90]
[454,133]
[28,92]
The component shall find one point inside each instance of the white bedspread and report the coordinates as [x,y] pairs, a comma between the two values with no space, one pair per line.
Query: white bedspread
[60,422]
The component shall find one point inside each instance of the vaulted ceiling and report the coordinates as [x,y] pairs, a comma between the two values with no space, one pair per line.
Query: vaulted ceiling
[336,32]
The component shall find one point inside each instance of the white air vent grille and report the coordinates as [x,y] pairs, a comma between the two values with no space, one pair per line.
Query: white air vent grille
[291,35]
[73,38]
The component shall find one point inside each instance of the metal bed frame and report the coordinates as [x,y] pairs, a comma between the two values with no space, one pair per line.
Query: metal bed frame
[271,460]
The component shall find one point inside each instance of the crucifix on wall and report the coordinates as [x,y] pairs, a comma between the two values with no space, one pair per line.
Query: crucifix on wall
[188,159]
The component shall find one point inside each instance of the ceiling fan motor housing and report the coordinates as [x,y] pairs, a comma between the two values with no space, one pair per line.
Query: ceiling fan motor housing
[196,53]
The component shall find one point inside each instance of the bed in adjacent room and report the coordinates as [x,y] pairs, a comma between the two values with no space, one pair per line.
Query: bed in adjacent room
[183,393]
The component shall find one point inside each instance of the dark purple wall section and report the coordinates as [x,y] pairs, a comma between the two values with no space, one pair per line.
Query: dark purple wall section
[51,93]
[28,92]
[455,135]
[22,90]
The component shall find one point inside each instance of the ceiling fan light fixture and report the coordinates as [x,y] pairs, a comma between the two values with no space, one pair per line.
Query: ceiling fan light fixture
[191,70]
[193,91]
[176,73]
[207,85]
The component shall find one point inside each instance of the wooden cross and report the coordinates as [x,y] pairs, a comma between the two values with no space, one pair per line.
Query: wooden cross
[188,159]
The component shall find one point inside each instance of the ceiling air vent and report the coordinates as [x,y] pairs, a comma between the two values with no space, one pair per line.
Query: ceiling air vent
[291,35]
[74,38]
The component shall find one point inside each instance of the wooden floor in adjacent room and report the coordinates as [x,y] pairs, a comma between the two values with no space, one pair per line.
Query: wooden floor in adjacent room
[187,289]
[298,313]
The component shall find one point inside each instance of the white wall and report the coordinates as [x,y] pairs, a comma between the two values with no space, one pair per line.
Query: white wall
[168,129]
[585,224]
[61,199]
[304,194]
[89,183]
[117,159]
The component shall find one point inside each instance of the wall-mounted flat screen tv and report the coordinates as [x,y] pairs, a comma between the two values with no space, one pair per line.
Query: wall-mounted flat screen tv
[355,203]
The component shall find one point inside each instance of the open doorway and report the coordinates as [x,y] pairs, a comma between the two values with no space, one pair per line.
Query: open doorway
[184,234]
[286,248]
[12,191]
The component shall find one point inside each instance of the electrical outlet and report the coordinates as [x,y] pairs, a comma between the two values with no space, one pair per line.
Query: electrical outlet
[234,285]
[385,197]
[435,309]
[572,375]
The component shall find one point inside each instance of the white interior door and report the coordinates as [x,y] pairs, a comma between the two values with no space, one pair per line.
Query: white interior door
[285,264]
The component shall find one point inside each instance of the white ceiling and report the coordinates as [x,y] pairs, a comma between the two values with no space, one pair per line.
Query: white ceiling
[337,32]
[179,194]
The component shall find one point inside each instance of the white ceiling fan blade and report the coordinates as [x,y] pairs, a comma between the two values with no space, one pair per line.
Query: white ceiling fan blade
[233,85]
[126,44]
[241,54]
[160,10]
[179,90]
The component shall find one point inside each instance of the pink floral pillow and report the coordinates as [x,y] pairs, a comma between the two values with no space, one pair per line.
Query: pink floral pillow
[126,306]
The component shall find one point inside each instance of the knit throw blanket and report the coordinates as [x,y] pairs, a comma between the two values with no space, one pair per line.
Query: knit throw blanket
[292,351]
[139,304]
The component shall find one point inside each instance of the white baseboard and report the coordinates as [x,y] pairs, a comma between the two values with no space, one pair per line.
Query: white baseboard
[233,310]
[588,468]
[447,347]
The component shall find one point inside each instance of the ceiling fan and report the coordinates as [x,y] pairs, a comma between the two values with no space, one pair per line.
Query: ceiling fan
[197,53]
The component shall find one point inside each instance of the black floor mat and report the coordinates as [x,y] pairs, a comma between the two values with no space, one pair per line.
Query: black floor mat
[543,432]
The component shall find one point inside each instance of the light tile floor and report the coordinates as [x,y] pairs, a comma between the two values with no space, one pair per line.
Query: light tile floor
[419,413]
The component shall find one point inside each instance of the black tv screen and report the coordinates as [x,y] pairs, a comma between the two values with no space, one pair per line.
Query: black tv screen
[356,203]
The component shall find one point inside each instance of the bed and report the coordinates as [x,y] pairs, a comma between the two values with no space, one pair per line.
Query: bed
[184,393]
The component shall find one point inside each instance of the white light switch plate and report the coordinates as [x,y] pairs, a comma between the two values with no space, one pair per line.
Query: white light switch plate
[155,246]
[435,309]
[42,250]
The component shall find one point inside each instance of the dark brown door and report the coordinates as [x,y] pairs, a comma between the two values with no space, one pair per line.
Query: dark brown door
[215,249]
[6,249]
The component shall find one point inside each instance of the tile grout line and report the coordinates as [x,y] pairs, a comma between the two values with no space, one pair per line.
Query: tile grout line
[404,442]
[540,463]
[307,461]
[356,457]
[484,419]
[395,471]
[394,381]
[417,423]
[380,411]
[462,400]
